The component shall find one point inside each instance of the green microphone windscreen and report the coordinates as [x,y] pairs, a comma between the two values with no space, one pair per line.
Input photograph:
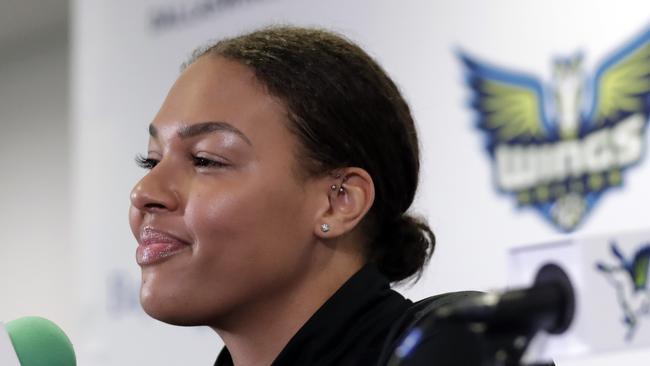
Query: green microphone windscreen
[39,342]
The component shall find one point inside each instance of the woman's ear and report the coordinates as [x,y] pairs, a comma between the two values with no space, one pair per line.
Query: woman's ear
[350,193]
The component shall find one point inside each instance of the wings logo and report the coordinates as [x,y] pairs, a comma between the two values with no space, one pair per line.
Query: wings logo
[559,146]
[630,280]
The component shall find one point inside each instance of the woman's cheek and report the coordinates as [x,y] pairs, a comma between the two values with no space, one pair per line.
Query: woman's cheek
[217,224]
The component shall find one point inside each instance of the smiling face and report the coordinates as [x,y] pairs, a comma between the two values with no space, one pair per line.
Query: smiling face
[222,220]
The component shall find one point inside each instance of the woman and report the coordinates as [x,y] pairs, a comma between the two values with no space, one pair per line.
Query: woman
[282,163]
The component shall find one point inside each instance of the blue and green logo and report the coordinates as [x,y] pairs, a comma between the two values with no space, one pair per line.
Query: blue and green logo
[629,278]
[558,146]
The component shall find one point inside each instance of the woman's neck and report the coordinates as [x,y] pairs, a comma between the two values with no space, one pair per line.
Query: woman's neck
[257,335]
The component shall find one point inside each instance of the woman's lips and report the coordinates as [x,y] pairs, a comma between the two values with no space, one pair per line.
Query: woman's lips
[156,246]
[154,253]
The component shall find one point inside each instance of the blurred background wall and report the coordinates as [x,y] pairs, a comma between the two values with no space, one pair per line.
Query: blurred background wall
[36,253]
[74,107]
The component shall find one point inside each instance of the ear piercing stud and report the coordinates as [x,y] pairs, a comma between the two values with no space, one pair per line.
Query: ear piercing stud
[333,187]
[325,228]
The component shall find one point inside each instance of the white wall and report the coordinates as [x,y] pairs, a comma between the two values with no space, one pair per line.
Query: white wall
[36,253]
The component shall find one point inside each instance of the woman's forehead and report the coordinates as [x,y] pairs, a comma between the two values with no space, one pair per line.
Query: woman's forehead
[219,94]
[213,83]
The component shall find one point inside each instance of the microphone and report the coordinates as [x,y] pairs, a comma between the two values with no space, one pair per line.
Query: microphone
[34,341]
[485,326]
[607,310]
[548,305]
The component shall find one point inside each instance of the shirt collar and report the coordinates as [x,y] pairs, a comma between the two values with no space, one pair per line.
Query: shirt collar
[326,329]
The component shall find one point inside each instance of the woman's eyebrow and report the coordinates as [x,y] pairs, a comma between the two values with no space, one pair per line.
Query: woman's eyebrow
[201,128]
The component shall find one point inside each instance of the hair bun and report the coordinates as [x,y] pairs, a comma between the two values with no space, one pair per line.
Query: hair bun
[406,245]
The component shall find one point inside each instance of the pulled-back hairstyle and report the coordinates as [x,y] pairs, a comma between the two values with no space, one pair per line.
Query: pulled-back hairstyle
[346,112]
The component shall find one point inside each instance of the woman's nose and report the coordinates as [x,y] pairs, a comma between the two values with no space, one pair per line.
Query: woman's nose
[154,193]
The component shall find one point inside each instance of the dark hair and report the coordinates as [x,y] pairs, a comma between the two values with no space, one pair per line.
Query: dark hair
[345,111]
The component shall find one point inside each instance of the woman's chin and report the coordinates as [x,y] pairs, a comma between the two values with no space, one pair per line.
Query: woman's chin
[169,309]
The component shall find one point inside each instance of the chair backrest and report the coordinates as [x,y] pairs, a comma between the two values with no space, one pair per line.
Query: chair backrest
[416,312]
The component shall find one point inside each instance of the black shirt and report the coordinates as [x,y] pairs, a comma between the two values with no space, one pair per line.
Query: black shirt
[358,325]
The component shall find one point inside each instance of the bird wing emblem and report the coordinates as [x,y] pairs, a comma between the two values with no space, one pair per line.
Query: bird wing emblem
[510,106]
[622,84]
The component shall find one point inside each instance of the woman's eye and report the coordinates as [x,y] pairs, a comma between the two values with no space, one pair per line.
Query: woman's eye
[204,162]
[145,163]
[149,163]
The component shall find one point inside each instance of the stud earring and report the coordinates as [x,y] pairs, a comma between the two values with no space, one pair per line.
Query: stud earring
[325,228]
[340,190]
